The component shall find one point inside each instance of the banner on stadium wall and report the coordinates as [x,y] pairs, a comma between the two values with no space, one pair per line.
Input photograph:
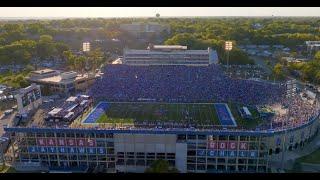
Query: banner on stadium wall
[222,153]
[225,145]
[81,142]
[70,150]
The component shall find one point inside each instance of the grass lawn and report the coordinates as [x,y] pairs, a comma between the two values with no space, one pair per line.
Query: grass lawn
[313,158]
[7,169]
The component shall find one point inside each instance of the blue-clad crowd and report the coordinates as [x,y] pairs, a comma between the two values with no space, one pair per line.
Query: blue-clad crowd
[180,84]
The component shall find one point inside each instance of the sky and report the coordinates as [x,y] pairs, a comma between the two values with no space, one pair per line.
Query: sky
[58,12]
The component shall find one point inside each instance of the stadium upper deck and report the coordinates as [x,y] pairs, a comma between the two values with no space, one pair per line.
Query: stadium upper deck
[169,55]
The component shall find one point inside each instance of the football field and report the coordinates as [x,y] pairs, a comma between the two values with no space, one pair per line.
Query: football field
[144,113]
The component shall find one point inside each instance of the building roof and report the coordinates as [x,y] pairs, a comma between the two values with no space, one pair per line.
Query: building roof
[173,47]
[135,51]
[59,78]
[71,99]
[55,111]
[53,79]
[43,71]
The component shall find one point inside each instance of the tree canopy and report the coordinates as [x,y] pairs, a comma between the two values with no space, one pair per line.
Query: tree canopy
[161,166]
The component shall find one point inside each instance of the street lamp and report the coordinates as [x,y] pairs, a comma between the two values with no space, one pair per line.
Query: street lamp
[228,48]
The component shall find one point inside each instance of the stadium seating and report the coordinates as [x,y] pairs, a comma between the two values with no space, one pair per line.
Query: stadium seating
[180,84]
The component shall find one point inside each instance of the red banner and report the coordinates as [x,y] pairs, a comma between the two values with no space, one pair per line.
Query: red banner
[81,142]
[225,145]
[222,145]
[71,142]
[41,142]
[91,143]
[62,142]
[66,142]
[232,145]
[243,146]
[51,142]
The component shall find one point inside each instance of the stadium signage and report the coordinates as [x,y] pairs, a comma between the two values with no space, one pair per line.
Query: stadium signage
[82,142]
[231,145]
[223,153]
[70,150]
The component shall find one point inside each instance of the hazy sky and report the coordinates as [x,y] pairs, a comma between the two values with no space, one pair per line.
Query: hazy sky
[151,11]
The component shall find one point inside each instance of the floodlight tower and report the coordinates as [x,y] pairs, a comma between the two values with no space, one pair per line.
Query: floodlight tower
[86,46]
[228,48]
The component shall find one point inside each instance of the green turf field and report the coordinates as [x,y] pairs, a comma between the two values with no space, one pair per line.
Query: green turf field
[200,114]
[247,123]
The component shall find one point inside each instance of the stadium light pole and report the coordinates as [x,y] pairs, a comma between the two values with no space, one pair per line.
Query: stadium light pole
[228,48]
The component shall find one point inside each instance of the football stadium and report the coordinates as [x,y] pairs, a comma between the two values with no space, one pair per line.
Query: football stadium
[195,117]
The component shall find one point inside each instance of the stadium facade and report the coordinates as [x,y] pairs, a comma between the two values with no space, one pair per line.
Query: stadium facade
[133,150]
[169,55]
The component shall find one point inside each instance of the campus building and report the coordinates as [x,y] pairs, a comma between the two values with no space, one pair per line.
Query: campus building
[61,82]
[28,99]
[312,45]
[169,55]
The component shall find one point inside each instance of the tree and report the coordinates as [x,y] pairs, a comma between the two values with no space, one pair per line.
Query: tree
[95,58]
[161,166]
[318,76]
[60,48]
[69,59]
[80,63]
[46,47]
[317,55]
[278,71]
[236,56]
[45,39]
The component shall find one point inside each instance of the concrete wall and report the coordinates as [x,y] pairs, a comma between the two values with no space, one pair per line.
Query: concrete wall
[145,143]
[181,157]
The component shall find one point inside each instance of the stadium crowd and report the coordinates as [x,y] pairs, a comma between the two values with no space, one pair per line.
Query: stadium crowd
[298,112]
[190,84]
[180,84]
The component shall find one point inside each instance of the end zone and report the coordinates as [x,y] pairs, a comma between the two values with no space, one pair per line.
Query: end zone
[224,115]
